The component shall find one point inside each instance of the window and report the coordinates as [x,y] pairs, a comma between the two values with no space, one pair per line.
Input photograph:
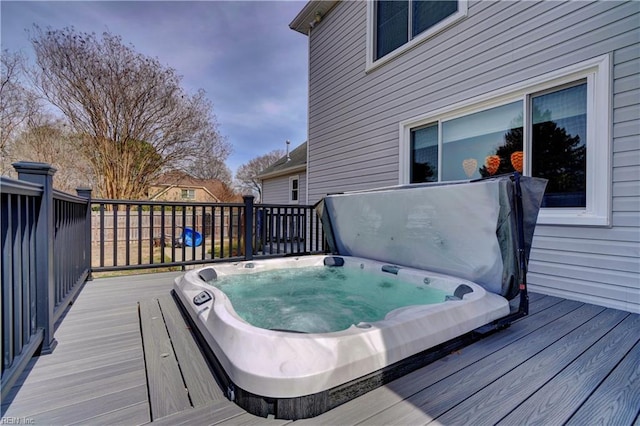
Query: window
[555,127]
[294,190]
[559,145]
[479,144]
[188,194]
[397,25]
[424,153]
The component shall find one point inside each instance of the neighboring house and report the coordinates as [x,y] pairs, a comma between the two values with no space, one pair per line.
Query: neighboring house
[405,92]
[179,186]
[284,182]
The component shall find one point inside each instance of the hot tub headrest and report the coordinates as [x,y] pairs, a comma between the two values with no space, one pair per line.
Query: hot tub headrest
[465,229]
[333,261]
[207,274]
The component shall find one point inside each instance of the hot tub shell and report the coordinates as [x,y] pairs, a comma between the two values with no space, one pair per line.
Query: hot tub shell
[282,364]
[297,375]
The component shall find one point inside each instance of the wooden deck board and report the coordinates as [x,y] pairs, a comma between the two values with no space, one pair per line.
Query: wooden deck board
[435,400]
[67,378]
[104,361]
[566,361]
[45,396]
[101,406]
[134,414]
[559,398]
[496,400]
[247,419]
[197,375]
[110,326]
[617,400]
[167,391]
[216,412]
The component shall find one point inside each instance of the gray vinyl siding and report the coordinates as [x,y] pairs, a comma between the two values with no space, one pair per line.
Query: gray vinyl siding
[602,265]
[354,117]
[276,190]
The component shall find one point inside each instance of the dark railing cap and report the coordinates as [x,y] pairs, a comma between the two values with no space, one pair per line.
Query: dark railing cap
[34,168]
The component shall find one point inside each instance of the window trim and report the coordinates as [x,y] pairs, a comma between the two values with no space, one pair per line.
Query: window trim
[291,179]
[597,72]
[372,63]
[188,192]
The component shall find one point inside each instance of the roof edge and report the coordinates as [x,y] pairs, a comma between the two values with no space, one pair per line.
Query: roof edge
[283,172]
[311,14]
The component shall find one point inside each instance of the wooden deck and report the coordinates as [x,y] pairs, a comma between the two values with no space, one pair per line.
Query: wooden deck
[119,361]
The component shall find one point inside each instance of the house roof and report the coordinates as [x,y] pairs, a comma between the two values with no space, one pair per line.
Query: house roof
[295,162]
[180,179]
[311,14]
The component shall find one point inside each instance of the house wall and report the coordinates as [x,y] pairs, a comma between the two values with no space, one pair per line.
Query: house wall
[276,190]
[175,194]
[354,117]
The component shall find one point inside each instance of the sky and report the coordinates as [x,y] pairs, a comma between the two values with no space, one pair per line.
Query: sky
[252,66]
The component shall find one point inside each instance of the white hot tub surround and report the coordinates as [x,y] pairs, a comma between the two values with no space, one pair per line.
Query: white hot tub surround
[280,364]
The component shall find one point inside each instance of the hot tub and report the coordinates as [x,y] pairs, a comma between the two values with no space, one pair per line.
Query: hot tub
[424,237]
[281,364]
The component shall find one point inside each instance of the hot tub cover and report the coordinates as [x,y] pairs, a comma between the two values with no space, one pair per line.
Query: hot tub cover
[466,229]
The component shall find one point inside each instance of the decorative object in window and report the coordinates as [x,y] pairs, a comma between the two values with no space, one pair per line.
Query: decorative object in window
[492,163]
[469,165]
[517,158]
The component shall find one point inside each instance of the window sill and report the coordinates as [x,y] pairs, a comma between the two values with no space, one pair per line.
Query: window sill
[572,217]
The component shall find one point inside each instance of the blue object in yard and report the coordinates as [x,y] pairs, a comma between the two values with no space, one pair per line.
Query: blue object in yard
[191,238]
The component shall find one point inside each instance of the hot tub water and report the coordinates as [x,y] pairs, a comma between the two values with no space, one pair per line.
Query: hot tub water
[320,299]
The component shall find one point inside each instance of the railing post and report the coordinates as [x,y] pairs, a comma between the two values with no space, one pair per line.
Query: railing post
[86,193]
[42,174]
[248,227]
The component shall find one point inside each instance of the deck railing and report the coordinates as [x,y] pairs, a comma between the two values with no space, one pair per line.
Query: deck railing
[72,263]
[160,234]
[44,263]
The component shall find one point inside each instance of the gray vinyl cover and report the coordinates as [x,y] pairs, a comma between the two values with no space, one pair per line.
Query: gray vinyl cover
[465,229]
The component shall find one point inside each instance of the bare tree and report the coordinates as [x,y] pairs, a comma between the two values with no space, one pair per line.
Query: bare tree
[247,174]
[228,194]
[17,105]
[209,167]
[134,116]
[48,140]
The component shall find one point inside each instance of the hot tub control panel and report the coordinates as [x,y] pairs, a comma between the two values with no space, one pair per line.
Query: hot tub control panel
[202,297]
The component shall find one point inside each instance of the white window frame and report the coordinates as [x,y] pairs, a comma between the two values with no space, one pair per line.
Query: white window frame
[191,194]
[291,180]
[372,63]
[597,72]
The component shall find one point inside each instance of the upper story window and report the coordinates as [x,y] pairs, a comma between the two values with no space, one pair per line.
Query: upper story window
[397,25]
[188,194]
[556,127]
[294,190]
